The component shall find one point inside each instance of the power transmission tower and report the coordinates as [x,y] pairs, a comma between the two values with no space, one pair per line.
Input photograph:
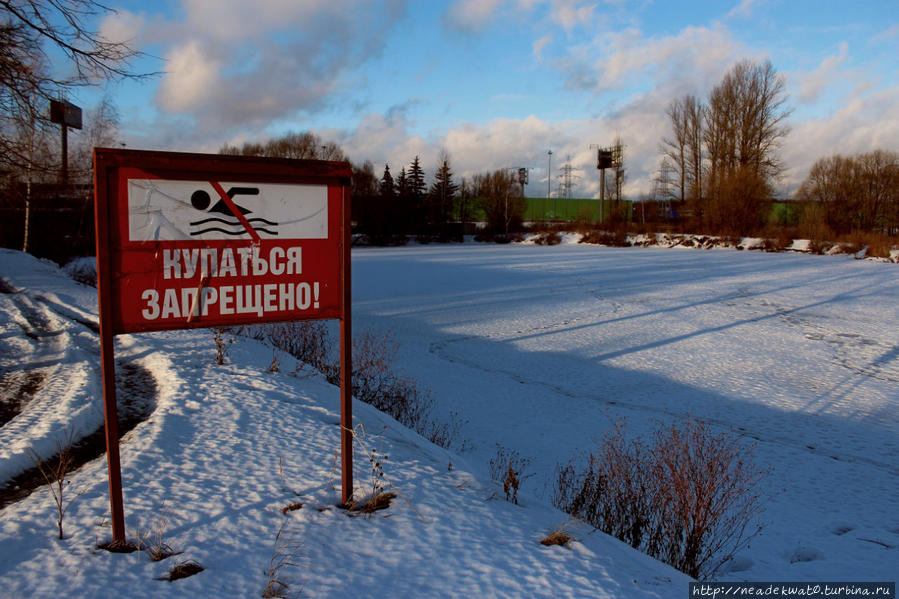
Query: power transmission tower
[567,176]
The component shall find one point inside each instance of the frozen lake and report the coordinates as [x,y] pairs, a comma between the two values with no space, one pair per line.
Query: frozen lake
[539,349]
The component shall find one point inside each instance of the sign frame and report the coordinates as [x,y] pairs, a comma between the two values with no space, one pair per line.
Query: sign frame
[113,169]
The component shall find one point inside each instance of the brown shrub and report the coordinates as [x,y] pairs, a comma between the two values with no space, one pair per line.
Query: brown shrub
[689,499]
[612,239]
[375,379]
[548,238]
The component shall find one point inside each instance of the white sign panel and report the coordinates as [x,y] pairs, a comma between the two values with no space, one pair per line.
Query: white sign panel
[161,210]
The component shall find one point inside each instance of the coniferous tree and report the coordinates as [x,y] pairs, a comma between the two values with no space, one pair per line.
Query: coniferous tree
[364,196]
[416,188]
[443,194]
[386,187]
[416,180]
[385,209]
[403,205]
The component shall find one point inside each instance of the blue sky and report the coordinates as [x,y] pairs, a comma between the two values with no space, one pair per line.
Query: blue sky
[497,83]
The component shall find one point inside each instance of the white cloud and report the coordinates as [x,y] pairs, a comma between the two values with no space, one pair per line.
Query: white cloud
[537,47]
[191,78]
[866,122]
[827,73]
[121,27]
[471,15]
[743,9]
[247,64]
[689,62]
[571,13]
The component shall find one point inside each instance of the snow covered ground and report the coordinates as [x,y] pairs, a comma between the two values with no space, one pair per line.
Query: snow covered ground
[539,349]
[226,448]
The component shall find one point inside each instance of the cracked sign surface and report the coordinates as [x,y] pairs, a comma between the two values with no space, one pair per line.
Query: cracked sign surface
[172,210]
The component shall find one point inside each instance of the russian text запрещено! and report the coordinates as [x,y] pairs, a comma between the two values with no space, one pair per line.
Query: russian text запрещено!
[256,299]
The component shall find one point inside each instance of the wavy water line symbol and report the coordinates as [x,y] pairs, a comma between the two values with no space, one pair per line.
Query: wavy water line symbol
[254,222]
[226,206]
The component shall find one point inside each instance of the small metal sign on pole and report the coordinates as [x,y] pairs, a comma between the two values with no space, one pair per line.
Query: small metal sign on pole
[199,240]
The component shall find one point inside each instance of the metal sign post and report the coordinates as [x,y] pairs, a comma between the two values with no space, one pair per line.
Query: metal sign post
[198,240]
[66,115]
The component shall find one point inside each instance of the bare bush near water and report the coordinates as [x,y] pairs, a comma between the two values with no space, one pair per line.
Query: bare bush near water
[689,499]
[375,379]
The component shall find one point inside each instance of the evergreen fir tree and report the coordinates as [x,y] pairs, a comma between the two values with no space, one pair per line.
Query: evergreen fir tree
[386,187]
[416,188]
[402,184]
[416,180]
[443,193]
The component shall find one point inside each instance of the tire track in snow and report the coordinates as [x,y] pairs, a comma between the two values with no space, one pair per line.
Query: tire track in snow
[49,369]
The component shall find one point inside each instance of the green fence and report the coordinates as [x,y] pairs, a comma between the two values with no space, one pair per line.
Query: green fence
[570,209]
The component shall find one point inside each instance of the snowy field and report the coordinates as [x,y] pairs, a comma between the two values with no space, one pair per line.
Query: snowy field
[538,349]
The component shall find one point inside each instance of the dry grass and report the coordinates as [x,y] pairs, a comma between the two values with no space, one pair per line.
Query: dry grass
[548,238]
[291,508]
[223,340]
[153,541]
[507,468]
[182,570]
[611,239]
[376,380]
[119,547]
[284,554]
[374,503]
[557,537]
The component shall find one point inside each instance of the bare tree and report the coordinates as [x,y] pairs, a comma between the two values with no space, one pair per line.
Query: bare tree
[27,84]
[855,193]
[101,129]
[694,114]
[502,201]
[305,145]
[675,148]
[744,125]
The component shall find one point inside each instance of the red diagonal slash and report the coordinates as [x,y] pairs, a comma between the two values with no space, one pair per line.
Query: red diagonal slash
[235,211]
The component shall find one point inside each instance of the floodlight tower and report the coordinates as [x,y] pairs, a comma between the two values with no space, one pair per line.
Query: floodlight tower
[609,157]
[549,171]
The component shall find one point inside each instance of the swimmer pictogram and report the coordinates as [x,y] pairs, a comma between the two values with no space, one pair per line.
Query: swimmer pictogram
[162,209]
[233,220]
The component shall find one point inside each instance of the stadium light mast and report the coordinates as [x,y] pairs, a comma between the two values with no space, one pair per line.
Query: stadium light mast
[549,178]
[609,157]
[549,170]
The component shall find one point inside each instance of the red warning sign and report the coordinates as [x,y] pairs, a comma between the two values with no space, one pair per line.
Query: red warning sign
[198,240]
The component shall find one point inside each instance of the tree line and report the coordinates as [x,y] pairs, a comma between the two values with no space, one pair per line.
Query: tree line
[389,209]
[721,161]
